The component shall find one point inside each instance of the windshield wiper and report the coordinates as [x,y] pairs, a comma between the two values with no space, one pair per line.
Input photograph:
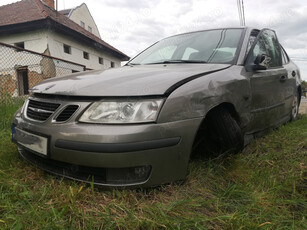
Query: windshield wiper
[177,61]
[132,63]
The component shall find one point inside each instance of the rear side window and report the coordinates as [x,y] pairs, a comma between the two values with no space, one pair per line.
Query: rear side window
[284,55]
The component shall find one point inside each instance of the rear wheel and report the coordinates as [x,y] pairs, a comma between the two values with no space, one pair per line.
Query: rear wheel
[295,106]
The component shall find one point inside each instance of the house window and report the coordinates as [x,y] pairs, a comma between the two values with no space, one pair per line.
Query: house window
[112,64]
[67,49]
[82,24]
[86,55]
[89,29]
[101,60]
[20,45]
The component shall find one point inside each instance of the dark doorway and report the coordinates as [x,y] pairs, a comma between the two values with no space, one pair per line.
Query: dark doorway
[23,81]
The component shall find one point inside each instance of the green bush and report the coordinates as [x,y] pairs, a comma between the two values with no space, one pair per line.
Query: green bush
[8,106]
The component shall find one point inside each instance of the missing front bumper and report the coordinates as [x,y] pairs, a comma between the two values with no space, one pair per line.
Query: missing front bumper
[113,177]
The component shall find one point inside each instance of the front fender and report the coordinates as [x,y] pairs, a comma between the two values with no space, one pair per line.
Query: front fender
[195,98]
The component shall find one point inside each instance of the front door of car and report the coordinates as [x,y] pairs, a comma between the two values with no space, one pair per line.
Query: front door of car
[268,82]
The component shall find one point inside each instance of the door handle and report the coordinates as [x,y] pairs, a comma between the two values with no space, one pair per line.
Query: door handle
[282,78]
[293,73]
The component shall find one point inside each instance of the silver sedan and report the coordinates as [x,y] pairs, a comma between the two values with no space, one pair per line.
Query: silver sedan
[202,92]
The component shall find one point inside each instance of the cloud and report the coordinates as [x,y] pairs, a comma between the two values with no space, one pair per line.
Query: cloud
[131,26]
[135,4]
[166,18]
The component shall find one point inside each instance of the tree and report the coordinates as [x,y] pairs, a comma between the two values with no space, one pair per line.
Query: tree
[304,88]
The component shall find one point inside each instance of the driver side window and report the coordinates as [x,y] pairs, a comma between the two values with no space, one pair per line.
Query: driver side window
[268,44]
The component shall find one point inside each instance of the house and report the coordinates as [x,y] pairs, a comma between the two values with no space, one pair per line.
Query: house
[37,26]
[82,16]
[70,35]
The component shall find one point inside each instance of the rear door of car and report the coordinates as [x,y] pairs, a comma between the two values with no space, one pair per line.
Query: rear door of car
[293,74]
[269,82]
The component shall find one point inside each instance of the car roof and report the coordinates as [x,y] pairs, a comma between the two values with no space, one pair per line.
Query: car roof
[247,28]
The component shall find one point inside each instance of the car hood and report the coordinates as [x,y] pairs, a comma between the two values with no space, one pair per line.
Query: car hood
[157,79]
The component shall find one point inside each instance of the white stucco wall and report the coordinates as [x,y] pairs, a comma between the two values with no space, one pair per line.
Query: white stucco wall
[34,40]
[82,13]
[56,42]
[38,41]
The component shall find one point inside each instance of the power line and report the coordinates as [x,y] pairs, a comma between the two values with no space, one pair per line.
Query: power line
[299,60]
[298,57]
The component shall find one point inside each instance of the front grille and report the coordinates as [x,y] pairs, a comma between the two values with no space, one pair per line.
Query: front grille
[67,113]
[41,111]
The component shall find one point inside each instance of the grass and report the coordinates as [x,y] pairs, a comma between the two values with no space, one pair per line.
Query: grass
[264,187]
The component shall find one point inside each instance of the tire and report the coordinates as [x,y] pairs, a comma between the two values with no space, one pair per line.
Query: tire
[295,107]
[224,133]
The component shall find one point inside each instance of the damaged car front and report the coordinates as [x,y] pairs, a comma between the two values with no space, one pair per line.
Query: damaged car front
[137,125]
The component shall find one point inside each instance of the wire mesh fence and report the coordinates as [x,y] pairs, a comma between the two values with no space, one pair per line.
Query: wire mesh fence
[21,69]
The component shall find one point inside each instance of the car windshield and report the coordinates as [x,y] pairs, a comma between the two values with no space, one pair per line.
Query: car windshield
[211,46]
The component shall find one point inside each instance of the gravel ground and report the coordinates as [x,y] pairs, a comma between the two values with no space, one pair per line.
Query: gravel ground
[303,106]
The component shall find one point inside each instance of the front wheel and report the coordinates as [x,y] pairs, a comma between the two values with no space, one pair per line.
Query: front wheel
[224,133]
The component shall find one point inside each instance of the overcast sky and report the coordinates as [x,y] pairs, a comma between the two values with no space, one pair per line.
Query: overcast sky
[133,25]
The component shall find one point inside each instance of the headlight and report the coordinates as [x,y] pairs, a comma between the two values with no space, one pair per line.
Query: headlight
[24,106]
[114,112]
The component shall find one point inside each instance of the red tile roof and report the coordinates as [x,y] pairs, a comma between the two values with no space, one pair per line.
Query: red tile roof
[34,10]
[19,12]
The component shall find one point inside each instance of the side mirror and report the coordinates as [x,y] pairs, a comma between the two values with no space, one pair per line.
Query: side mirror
[261,63]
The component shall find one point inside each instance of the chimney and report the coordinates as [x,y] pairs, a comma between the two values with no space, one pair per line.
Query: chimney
[49,3]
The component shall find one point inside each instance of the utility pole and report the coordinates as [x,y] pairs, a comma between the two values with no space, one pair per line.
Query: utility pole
[241,12]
